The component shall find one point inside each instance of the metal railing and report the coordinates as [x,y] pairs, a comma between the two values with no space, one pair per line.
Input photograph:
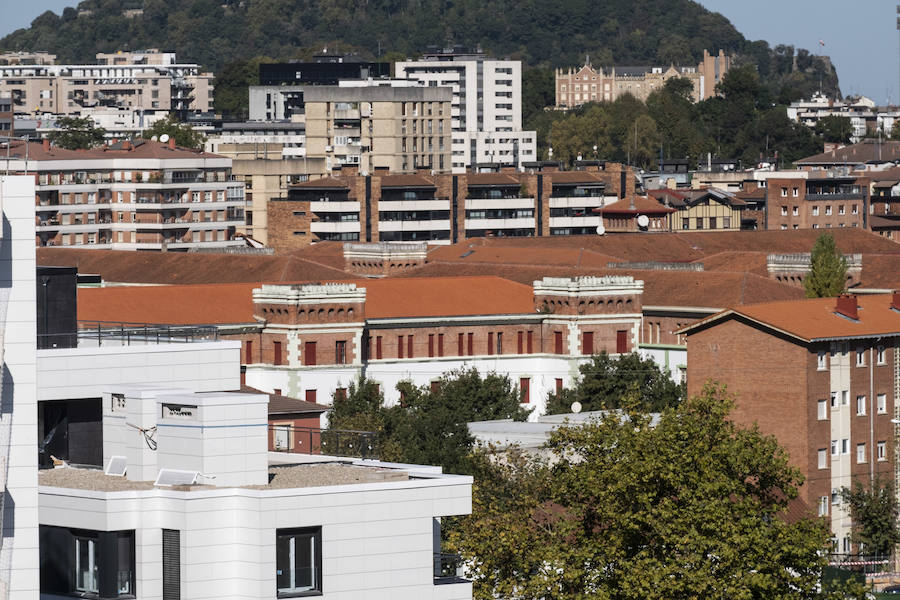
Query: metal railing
[447,568]
[862,563]
[334,442]
[100,333]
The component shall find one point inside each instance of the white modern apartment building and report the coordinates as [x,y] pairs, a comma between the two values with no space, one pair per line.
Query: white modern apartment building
[144,195]
[141,80]
[486,110]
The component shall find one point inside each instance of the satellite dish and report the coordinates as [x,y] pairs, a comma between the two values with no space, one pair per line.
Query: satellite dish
[601,229]
[165,138]
[576,407]
[154,139]
[643,221]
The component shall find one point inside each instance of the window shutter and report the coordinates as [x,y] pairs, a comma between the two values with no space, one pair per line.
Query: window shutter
[171,564]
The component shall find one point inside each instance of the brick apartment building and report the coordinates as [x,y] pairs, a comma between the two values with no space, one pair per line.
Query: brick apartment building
[130,196]
[822,376]
[444,208]
[816,200]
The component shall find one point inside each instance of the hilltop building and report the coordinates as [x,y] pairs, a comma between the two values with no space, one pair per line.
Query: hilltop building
[575,87]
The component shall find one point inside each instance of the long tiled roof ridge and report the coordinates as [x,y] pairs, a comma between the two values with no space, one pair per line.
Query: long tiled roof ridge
[141,149]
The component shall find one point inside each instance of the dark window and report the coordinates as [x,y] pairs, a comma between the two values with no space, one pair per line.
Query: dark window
[459,350]
[524,390]
[85,563]
[340,352]
[587,342]
[399,346]
[310,395]
[712,222]
[378,354]
[340,393]
[559,385]
[499,342]
[430,345]
[558,342]
[298,561]
[520,342]
[309,354]
[621,341]
[440,344]
[490,342]
[409,346]
[530,347]
[470,343]
[248,358]
[276,353]
[435,387]
[171,564]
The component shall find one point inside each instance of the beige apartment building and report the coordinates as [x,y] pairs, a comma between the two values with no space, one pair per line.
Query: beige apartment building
[395,128]
[575,87]
[149,80]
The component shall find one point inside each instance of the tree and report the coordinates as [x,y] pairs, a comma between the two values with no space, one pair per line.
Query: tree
[607,383]
[76,133]
[827,269]
[182,133]
[430,424]
[835,129]
[693,507]
[874,511]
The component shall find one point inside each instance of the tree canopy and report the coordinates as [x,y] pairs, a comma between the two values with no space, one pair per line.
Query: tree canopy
[874,512]
[827,270]
[430,424]
[693,507]
[183,134]
[76,133]
[607,383]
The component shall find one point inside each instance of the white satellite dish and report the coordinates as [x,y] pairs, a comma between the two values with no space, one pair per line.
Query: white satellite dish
[154,139]
[601,229]
[643,221]
[576,407]
[164,138]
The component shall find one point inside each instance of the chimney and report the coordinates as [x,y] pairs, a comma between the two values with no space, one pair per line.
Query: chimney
[848,306]
[171,143]
[46,144]
[895,300]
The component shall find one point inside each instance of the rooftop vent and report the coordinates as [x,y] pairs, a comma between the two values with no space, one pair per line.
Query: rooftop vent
[848,306]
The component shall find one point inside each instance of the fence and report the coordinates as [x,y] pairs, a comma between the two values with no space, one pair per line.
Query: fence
[868,564]
[334,442]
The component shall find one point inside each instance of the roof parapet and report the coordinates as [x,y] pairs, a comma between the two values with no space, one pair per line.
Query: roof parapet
[579,286]
[309,293]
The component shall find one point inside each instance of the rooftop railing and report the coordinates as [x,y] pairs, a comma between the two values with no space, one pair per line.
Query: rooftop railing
[333,442]
[107,333]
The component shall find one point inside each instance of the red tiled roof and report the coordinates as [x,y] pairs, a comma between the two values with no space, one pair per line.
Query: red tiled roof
[285,405]
[143,149]
[864,151]
[220,304]
[491,179]
[577,177]
[405,181]
[816,318]
[640,205]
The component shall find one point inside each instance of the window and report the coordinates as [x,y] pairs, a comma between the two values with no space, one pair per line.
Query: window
[248,352]
[823,506]
[795,211]
[520,342]
[860,357]
[459,350]
[881,451]
[827,209]
[815,211]
[835,448]
[784,211]
[499,342]
[440,344]
[587,343]
[845,446]
[378,352]
[276,353]
[470,344]
[621,341]
[822,362]
[524,390]
[685,223]
[309,354]
[841,209]
[699,222]
[784,195]
[530,342]
[558,342]
[559,385]
[86,563]
[490,342]
[409,346]
[795,192]
[311,396]
[845,397]
[340,352]
[860,405]
[860,453]
[823,458]
[823,410]
[854,209]
[430,345]
[881,403]
[298,561]
[712,222]
[399,346]
[879,358]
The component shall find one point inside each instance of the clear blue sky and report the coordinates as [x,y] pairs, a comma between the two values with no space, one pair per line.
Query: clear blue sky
[861,37]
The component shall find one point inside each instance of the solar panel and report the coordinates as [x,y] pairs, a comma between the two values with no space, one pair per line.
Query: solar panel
[176,477]
[117,466]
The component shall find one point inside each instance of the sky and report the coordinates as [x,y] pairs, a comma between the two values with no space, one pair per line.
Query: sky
[860,37]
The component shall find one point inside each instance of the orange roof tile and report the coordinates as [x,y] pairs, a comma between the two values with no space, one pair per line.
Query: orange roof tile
[816,319]
[641,204]
[142,149]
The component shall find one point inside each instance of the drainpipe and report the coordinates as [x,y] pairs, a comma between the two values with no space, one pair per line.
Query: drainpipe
[872,458]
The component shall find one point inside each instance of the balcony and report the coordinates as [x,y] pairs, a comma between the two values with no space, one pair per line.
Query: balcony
[411,205]
[435,225]
[519,223]
[335,206]
[498,203]
[585,221]
[841,196]
[334,227]
[107,333]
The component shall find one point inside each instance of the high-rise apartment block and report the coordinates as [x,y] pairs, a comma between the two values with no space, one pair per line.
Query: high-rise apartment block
[486,112]
[147,80]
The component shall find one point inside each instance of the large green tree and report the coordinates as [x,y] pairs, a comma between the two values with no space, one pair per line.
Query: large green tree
[827,269]
[693,507]
[429,426]
[183,134]
[875,512]
[76,133]
[608,382]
